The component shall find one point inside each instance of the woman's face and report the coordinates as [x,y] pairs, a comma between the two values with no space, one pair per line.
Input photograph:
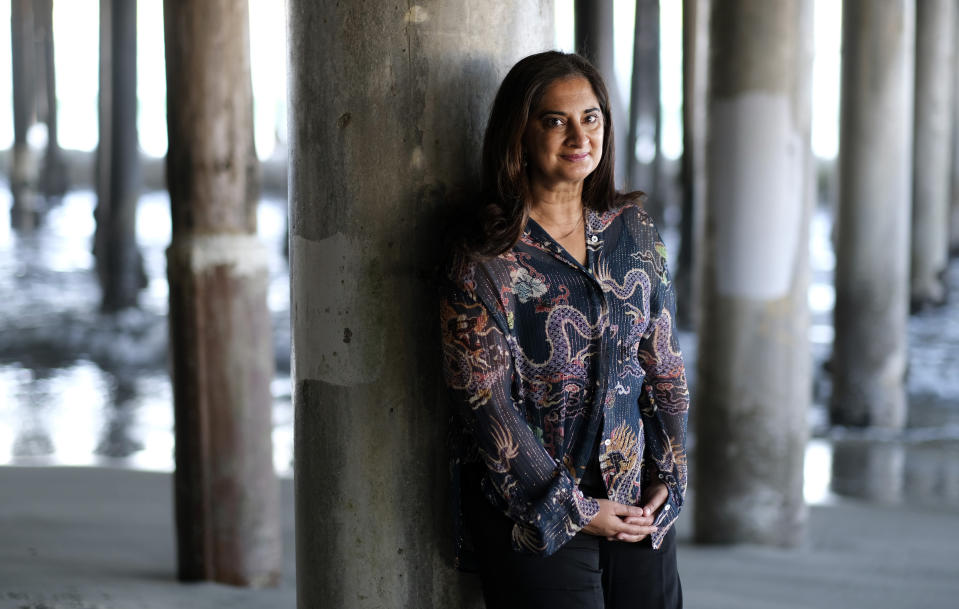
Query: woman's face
[564,136]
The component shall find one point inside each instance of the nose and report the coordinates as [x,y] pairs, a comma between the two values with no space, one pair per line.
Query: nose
[576,135]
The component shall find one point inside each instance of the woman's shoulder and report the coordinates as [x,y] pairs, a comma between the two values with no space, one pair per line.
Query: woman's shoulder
[470,272]
[628,208]
[633,206]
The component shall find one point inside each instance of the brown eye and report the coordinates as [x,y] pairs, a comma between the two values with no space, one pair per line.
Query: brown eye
[591,119]
[552,121]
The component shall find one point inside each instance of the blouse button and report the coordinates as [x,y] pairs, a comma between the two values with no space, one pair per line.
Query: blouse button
[607,442]
[593,239]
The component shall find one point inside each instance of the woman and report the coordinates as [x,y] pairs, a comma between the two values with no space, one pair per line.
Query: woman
[560,353]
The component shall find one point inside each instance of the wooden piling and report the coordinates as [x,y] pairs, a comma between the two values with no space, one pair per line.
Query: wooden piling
[53,176]
[227,512]
[593,31]
[119,264]
[642,154]
[23,213]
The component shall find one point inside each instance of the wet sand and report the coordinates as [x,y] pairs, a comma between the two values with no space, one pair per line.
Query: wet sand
[94,538]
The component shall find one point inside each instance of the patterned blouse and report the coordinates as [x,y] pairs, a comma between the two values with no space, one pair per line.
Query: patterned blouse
[544,355]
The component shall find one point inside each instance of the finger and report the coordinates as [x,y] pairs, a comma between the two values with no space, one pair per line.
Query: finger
[623,510]
[643,520]
[630,538]
[634,529]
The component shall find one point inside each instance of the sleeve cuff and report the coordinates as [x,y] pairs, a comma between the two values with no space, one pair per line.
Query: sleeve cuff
[562,513]
[670,510]
[587,507]
[667,516]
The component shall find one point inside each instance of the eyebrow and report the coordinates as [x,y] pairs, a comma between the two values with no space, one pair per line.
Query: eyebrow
[586,111]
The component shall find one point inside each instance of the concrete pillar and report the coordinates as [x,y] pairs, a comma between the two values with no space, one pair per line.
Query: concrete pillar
[873,224]
[688,275]
[754,363]
[119,264]
[24,72]
[593,22]
[227,496]
[934,113]
[388,106]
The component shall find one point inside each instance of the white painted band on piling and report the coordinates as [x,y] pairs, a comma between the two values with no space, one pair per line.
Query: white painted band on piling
[757,195]
[243,254]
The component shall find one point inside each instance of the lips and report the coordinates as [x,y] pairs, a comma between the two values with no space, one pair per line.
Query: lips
[575,157]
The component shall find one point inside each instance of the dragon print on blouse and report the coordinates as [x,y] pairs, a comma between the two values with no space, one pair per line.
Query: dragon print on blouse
[543,355]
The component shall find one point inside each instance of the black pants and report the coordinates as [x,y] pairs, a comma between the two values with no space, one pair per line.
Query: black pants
[586,573]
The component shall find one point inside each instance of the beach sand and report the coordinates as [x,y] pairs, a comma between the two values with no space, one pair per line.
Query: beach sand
[97,538]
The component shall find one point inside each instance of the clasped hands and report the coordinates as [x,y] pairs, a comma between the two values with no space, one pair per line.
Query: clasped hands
[630,523]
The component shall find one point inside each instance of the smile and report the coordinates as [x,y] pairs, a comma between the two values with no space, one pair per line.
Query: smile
[575,157]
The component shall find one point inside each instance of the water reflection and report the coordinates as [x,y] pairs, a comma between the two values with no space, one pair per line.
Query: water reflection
[869,470]
[79,388]
[932,471]
[922,473]
[33,436]
[117,440]
[50,414]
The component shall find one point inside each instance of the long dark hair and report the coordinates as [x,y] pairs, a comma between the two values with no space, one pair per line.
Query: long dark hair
[503,205]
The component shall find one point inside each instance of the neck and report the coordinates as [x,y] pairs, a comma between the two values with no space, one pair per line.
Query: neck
[559,205]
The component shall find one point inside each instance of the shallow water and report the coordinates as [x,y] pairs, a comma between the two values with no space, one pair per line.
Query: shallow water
[79,388]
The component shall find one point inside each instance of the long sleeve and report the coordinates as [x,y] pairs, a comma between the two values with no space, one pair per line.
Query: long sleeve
[664,403]
[538,492]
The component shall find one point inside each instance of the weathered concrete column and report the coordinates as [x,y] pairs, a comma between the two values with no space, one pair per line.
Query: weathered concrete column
[688,275]
[593,24]
[934,113]
[227,497]
[642,143]
[875,187]
[24,72]
[388,107]
[119,266]
[754,363]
